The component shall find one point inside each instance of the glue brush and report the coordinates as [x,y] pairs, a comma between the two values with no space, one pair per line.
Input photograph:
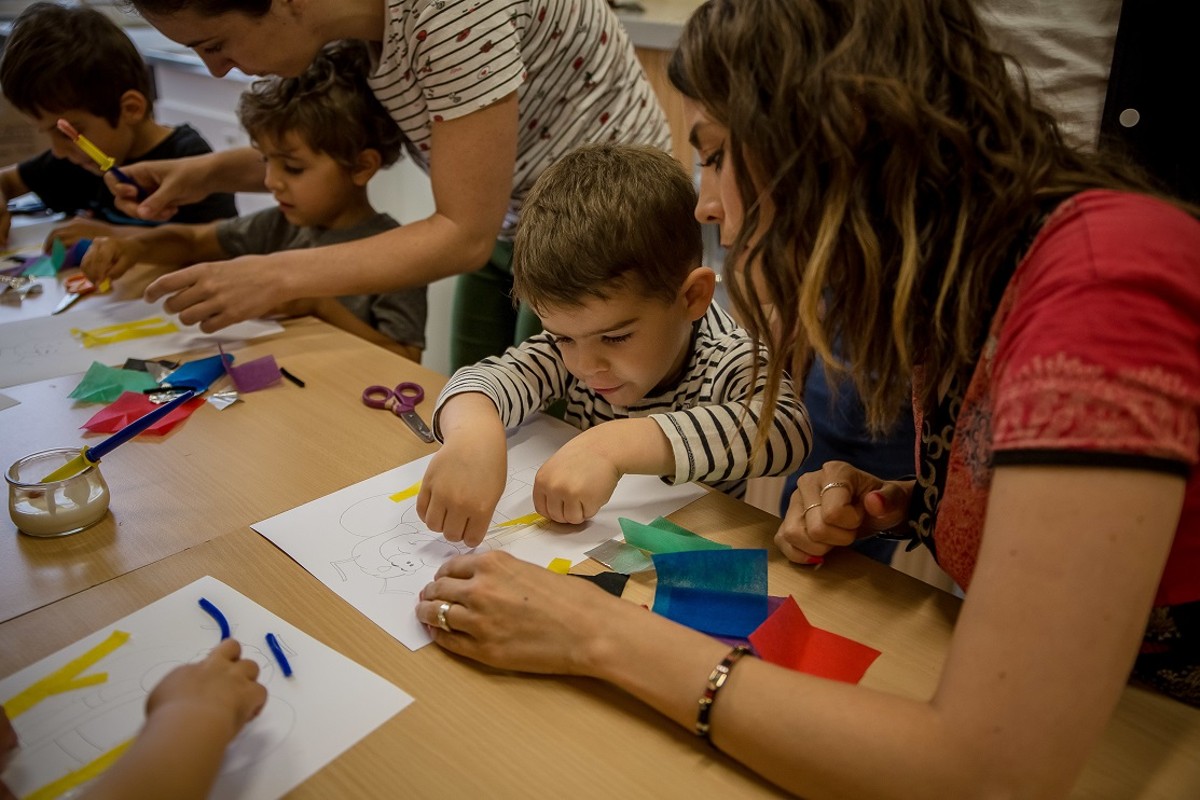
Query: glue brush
[106,162]
[90,456]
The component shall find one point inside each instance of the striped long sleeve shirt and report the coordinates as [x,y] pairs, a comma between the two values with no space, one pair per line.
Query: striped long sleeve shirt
[710,416]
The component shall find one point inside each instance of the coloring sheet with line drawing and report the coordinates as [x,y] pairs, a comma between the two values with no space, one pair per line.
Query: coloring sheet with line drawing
[33,349]
[367,543]
[310,718]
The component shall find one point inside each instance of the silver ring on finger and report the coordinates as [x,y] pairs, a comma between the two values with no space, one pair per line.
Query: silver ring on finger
[833,485]
[441,618]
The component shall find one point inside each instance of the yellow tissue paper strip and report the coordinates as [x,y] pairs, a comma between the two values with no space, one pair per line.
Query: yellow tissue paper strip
[82,775]
[139,329]
[560,565]
[528,519]
[404,494]
[64,678]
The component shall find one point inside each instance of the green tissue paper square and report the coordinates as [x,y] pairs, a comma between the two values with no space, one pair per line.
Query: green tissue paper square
[658,537]
[103,384]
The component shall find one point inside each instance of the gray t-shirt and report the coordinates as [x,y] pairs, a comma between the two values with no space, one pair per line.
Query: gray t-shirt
[397,315]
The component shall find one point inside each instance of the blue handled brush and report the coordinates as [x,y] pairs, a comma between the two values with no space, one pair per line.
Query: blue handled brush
[90,456]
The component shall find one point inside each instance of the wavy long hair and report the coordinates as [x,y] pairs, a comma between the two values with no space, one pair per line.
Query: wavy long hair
[901,167]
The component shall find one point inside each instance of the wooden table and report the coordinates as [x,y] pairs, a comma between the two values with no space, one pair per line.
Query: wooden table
[219,471]
[472,731]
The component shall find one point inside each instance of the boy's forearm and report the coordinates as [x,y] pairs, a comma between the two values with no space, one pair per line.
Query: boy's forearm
[470,416]
[11,184]
[634,446]
[178,244]
[176,755]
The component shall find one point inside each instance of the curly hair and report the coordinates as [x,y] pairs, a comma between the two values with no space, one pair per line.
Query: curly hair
[330,107]
[60,58]
[900,170]
[603,218]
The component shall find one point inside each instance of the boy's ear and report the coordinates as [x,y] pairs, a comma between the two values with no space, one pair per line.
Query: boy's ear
[697,291]
[365,166]
[134,107]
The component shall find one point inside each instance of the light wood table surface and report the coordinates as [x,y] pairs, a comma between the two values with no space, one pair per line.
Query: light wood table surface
[220,470]
[181,510]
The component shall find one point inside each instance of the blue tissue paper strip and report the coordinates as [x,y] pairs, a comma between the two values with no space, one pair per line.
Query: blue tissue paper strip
[198,374]
[718,592]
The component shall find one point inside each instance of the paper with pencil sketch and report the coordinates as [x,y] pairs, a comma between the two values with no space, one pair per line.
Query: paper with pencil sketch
[73,709]
[367,543]
[45,347]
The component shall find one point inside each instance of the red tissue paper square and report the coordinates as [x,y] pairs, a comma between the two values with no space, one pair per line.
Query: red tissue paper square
[788,639]
[130,406]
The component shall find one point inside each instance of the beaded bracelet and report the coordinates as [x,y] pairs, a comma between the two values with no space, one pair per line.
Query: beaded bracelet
[716,680]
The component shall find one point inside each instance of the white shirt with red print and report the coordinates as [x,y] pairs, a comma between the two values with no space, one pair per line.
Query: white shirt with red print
[570,62]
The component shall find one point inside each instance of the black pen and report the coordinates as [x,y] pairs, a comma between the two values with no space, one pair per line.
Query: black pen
[291,377]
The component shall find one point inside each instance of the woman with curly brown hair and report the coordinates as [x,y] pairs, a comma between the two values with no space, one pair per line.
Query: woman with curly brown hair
[883,183]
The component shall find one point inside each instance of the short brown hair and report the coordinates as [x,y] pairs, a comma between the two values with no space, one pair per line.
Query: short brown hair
[65,59]
[330,106]
[606,217]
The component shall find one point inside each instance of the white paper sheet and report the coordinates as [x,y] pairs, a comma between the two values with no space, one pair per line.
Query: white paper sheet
[33,349]
[377,554]
[310,718]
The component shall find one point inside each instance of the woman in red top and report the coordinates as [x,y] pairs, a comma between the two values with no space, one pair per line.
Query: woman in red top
[882,182]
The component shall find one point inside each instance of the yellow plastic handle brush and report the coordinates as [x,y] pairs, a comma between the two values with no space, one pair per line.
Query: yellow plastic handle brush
[103,160]
[90,456]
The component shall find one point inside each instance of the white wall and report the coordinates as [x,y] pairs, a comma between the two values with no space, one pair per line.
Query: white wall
[404,192]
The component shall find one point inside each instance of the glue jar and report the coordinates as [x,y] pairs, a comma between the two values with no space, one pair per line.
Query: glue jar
[57,508]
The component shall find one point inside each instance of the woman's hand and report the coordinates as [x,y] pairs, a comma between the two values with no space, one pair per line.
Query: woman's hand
[169,184]
[218,294]
[514,615]
[836,505]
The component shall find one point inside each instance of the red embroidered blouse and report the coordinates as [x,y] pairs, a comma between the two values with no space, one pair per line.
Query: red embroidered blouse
[1093,357]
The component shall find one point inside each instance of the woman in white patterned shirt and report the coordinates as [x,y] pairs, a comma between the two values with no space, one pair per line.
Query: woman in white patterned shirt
[498,89]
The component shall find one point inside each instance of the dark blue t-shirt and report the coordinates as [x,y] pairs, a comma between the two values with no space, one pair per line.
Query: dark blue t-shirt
[67,187]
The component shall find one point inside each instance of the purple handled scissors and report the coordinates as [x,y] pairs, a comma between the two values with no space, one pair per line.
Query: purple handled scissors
[401,401]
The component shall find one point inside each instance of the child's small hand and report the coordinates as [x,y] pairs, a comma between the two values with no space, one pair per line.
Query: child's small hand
[574,483]
[461,488]
[466,478]
[75,229]
[223,685]
[109,258]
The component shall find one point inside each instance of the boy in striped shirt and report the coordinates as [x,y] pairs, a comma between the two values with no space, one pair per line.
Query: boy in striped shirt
[660,380]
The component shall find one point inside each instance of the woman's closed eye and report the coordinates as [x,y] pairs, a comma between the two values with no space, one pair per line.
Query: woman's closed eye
[714,159]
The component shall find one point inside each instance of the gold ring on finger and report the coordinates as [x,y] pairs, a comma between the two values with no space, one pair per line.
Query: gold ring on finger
[833,485]
[810,507]
[441,618]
